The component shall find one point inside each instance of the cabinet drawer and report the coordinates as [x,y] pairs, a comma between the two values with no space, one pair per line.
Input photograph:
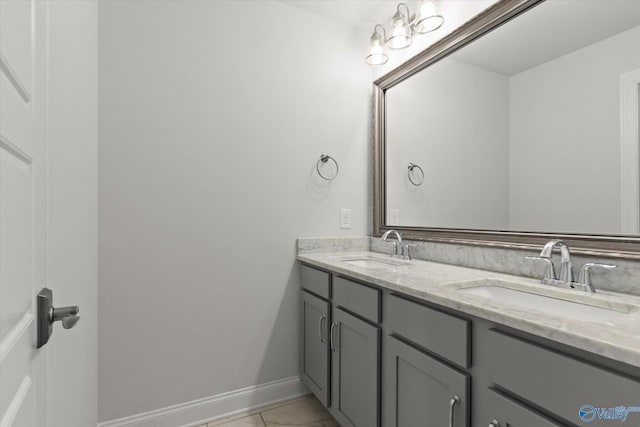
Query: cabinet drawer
[434,330]
[509,413]
[557,382]
[360,299]
[315,281]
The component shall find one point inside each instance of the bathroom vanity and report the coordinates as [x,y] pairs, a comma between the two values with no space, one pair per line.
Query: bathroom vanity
[393,344]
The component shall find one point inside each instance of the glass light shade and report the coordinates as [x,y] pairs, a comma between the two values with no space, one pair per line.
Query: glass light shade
[428,18]
[376,54]
[400,38]
[400,30]
[398,20]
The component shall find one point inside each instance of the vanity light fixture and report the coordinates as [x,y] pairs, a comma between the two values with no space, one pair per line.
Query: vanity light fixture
[403,27]
[376,54]
[400,29]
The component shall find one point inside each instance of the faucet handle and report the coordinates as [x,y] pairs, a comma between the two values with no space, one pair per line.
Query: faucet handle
[407,250]
[584,277]
[549,271]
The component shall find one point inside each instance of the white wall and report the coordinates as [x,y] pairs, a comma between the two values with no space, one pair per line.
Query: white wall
[570,127]
[424,126]
[72,382]
[212,117]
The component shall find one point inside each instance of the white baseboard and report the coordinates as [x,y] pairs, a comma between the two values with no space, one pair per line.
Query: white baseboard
[223,405]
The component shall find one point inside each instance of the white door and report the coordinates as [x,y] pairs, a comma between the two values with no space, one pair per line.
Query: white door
[23,210]
[630,151]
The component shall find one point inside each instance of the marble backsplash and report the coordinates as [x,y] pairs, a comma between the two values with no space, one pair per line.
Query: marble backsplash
[312,245]
[625,278]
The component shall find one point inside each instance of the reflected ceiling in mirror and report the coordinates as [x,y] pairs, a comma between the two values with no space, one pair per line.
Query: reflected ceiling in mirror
[529,130]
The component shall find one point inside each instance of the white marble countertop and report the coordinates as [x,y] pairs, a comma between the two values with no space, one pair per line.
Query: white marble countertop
[617,339]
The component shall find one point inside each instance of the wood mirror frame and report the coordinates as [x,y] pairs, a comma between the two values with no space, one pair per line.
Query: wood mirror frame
[599,245]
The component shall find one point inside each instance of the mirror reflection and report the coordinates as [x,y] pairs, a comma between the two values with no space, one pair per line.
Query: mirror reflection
[532,127]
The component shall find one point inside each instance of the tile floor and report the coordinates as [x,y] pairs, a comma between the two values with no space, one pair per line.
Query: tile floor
[302,412]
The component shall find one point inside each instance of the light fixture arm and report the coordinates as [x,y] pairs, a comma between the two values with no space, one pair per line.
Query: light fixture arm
[384,32]
[406,15]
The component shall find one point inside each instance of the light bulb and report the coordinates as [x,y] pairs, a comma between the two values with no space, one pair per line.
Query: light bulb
[376,56]
[400,38]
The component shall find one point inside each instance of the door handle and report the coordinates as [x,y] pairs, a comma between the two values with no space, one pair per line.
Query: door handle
[68,315]
[47,315]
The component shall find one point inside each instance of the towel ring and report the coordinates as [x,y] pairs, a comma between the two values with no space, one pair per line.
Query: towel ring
[324,158]
[411,167]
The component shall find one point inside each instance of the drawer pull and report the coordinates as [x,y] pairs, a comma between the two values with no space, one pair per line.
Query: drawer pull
[455,399]
[322,339]
[494,423]
[333,326]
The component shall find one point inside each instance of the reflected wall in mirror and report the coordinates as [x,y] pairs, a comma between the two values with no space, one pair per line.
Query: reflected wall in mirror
[531,128]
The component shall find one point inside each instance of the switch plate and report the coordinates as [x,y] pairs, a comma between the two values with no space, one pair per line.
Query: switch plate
[345,218]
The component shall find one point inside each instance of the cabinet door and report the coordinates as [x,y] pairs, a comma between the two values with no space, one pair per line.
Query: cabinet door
[315,346]
[355,377]
[421,390]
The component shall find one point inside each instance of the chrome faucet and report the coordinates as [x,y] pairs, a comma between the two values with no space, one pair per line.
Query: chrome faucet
[398,240]
[565,280]
[566,275]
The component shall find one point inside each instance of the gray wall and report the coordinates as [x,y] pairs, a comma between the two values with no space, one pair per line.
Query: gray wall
[72,377]
[212,117]
[424,126]
[569,127]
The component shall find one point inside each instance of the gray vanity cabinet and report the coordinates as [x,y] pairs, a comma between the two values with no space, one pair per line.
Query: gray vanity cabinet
[379,358]
[564,385]
[355,366]
[341,346]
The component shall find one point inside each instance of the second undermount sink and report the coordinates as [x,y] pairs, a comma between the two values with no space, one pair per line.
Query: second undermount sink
[552,301]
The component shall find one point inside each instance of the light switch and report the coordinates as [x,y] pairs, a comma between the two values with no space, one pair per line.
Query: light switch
[345,218]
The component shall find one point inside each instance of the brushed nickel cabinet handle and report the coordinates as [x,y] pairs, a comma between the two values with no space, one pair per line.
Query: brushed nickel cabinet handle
[494,423]
[331,343]
[455,399]
[322,339]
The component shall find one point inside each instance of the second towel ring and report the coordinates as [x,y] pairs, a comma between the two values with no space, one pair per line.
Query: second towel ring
[411,167]
[324,158]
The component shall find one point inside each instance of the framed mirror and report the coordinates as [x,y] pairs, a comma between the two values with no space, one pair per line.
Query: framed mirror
[519,127]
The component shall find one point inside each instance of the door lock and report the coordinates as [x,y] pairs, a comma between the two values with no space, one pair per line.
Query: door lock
[47,315]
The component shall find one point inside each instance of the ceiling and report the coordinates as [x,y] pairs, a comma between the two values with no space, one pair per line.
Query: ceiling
[351,12]
[549,31]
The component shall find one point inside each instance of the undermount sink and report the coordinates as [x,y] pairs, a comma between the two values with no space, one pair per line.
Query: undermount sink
[371,262]
[551,301]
